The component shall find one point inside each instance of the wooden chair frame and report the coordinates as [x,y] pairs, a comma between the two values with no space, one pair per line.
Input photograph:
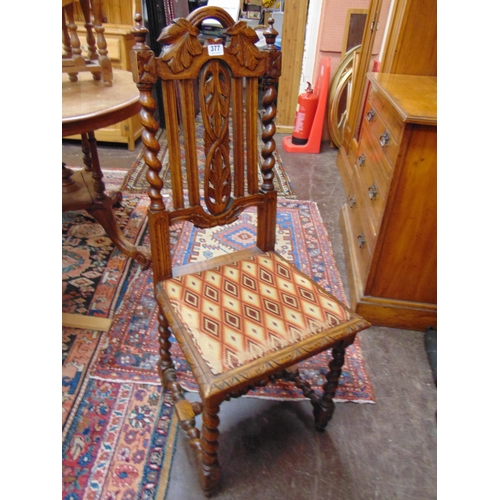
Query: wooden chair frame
[182,59]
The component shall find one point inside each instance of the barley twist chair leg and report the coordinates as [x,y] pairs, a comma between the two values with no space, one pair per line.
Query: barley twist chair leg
[166,369]
[210,468]
[324,408]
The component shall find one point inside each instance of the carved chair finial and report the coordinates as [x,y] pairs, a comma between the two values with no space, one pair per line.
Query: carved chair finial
[140,32]
[138,21]
[270,33]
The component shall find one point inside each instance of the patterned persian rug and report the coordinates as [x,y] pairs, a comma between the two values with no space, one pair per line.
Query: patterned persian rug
[119,429]
[136,180]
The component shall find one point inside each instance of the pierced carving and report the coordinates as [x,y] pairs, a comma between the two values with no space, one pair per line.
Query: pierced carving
[243,39]
[215,89]
[204,221]
[181,44]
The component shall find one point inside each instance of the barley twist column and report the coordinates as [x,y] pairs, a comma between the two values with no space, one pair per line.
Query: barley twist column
[145,77]
[323,411]
[270,82]
[210,468]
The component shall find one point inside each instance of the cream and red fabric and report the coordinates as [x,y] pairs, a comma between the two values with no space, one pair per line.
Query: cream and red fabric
[239,312]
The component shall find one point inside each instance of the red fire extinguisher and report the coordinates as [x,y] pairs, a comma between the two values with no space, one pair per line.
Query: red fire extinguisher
[306,109]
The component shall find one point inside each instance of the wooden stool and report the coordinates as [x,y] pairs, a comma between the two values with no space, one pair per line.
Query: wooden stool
[97,60]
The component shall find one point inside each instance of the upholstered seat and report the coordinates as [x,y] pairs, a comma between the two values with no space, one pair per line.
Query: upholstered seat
[237,313]
[245,319]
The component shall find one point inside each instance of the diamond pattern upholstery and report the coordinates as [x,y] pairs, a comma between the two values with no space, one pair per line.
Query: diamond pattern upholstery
[239,312]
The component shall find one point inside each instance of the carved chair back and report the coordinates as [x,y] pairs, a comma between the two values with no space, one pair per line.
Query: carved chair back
[227,75]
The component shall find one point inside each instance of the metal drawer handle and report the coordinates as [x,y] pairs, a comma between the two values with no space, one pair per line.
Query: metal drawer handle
[361,240]
[361,160]
[384,139]
[370,115]
[352,201]
[372,191]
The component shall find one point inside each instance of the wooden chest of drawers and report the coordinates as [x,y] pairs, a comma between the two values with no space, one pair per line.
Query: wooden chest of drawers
[390,219]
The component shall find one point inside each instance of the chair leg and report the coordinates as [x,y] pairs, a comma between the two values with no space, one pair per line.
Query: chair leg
[324,408]
[206,447]
[166,369]
[210,468]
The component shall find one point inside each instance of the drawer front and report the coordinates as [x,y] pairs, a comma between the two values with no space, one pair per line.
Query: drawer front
[370,148]
[386,139]
[391,117]
[381,166]
[361,236]
[371,191]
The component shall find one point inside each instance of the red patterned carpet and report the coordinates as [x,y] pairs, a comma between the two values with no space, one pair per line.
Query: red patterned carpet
[118,428]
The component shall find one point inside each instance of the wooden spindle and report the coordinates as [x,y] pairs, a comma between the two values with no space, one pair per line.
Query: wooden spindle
[104,60]
[91,41]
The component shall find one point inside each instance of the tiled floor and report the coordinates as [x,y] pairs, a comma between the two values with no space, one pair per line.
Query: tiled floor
[270,450]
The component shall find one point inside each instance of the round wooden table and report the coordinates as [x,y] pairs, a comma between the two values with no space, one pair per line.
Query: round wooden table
[88,105]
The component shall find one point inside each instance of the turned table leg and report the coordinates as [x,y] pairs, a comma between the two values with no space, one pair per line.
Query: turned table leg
[90,195]
[105,216]
[103,211]
[68,184]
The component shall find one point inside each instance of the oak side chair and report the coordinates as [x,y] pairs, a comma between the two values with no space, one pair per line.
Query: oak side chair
[245,319]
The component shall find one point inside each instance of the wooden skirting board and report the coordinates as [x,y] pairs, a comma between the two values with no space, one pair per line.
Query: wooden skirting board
[284,129]
[86,322]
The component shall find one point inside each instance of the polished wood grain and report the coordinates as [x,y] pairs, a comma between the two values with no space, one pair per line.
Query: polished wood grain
[119,44]
[228,85]
[410,49]
[393,274]
[417,106]
[114,11]
[87,105]
[358,84]
[292,40]
[411,40]
[81,321]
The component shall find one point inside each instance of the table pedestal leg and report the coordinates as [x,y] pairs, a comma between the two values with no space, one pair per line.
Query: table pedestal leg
[89,194]
[105,216]
[68,184]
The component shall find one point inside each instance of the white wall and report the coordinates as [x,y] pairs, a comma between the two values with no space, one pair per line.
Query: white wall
[311,43]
